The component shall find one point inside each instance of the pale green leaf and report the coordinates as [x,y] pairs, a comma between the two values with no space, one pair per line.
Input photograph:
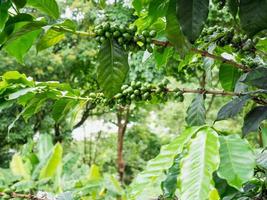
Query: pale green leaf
[198,166]
[49,7]
[50,38]
[237,161]
[196,112]
[154,174]
[18,168]
[44,146]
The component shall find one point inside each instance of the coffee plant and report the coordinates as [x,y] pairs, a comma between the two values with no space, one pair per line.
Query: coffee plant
[220,45]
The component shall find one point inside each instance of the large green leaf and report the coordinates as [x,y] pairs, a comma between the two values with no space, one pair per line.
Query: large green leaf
[62,107]
[192,15]
[198,166]
[228,76]
[253,15]
[253,119]
[49,7]
[50,38]
[232,108]
[49,170]
[154,174]
[196,113]
[157,8]
[113,67]
[173,31]
[237,160]
[257,77]
[18,168]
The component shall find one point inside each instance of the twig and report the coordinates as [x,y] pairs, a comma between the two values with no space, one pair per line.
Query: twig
[207,54]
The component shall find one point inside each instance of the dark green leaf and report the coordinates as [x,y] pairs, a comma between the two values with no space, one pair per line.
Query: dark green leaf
[113,67]
[232,108]
[257,77]
[233,7]
[19,3]
[192,15]
[4,6]
[169,185]
[228,76]
[137,4]
[61,108]
[253,15]
[49,7]
[50,38]
[253,119]
[173,30]
[196,113]
[162,57]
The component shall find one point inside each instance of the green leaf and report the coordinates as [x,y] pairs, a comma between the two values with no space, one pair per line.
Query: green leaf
[62,107]
[198,166]
[257,77]
[232,108]
[20,93]
[49,170]
[253,15]
[262,44]
[18,168]
[157,8]
[233,6]
[196,112]
[173,31]
[192,15]
[154,174]
[44,146]
[253,119]
[162,57]
[22,40]
[169,185]
[228,76]
[49,39]
[49,7]
[14,77]
[113,67]
[68,24]
[237,161]
[4,6]
[137,4]
[19,3]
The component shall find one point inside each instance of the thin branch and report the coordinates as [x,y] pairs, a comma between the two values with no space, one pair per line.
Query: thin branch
[209,55]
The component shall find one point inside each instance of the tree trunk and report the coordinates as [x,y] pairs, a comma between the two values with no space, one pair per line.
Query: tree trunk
[122,121]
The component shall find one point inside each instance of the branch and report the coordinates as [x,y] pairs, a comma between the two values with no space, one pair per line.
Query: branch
[23,196]
[207,54]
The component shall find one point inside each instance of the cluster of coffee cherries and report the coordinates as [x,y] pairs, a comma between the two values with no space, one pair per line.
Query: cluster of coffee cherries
[224,36]
[138,91]
[126,36]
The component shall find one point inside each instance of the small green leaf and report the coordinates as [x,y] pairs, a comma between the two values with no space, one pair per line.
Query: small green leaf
[237,161]
[50,38]
[257,77]
[54,161]
[196,112]
[262,44]
[62,107]
[253,15]
[199,164]
[113,67]
[44,146]
[192,15]
[232,108]
[253,119]
[137,4]
[228,76]
[173,31]
[49,7]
